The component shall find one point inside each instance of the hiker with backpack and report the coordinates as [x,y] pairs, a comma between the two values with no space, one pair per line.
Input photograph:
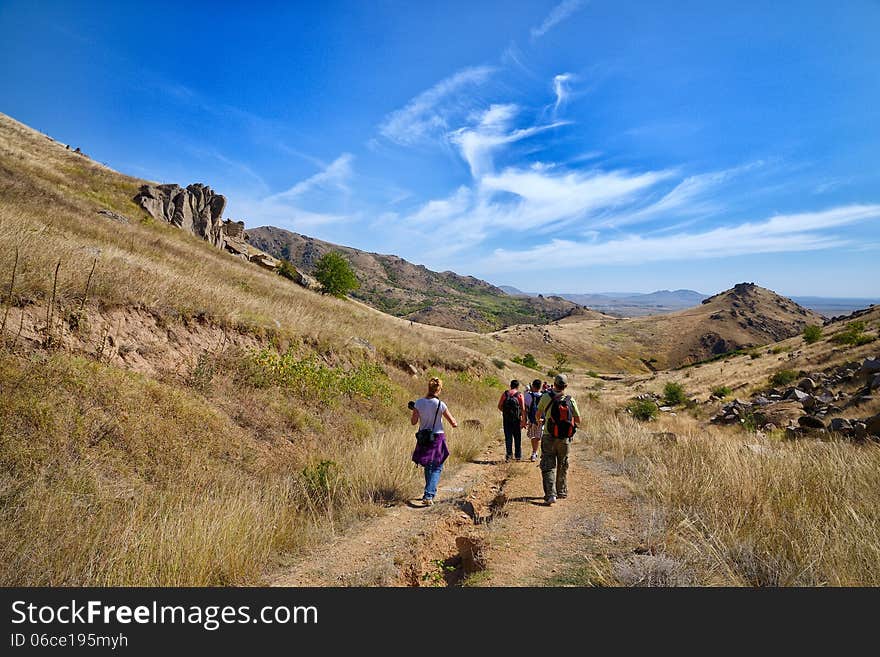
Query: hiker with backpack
[513,414]
[561,417]
[431,450]
[533,397]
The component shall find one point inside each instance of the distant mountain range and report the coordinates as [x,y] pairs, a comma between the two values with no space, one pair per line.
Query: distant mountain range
[631,304]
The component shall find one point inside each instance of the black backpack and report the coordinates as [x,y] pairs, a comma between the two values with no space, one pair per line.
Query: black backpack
[533,406]
[512,411]
[560,421]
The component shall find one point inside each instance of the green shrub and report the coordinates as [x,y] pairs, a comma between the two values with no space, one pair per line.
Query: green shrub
[492,381]
[643,409]
[314,379]
[721,391]
[335,275]
[323,484]
[593,374]
[812,333]
[783,377]
[674,394]
[853,335]
[287,270]
[527,361]
[500,364]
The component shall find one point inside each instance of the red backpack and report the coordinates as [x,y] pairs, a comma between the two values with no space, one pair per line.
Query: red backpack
[560,422]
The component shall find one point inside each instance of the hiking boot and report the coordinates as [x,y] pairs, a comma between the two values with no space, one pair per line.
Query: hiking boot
[562,496]
[550,500]
[507,458]
[534,456]
[427,501]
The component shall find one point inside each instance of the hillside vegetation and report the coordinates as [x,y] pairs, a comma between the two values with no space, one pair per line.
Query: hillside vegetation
[400,288]
[173,415]
[198,416]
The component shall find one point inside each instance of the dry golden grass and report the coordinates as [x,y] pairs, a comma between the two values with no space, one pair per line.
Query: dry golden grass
[48,213]
[112,478]
[195,478]
[801,513]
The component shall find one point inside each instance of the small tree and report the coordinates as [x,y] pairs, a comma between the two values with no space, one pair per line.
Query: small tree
[812,333]
[674,394]
[561,361]
[335,275]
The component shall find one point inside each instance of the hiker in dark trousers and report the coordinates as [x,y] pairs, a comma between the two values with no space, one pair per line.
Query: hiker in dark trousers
[513,414]
[428,412]
[533,397]
[561,417]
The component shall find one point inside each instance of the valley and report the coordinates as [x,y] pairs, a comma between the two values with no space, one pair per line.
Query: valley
[209,422]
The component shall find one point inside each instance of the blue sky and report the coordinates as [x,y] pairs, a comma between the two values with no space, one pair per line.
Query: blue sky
[568,146]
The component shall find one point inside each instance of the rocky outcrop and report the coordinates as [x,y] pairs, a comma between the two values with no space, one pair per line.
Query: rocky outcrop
[196,209]
[807,408]
[199,210]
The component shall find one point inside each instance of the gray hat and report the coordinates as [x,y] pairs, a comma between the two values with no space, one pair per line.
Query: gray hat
[561,380]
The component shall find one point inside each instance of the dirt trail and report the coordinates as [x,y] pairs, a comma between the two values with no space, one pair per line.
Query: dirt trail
[490,510]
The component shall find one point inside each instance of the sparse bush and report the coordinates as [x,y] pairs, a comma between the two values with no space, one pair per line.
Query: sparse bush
[643,409]
[853,335]
[500,364]
[526,360]
[287,270]
[812,333]
[674,394]
[202,374]
[593,374]
[783,377]
[721,391]
[323,484]
[314,379]
[561,362]
[552,373]
[492,381]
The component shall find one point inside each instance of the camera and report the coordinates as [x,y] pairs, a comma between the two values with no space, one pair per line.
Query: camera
[411,405]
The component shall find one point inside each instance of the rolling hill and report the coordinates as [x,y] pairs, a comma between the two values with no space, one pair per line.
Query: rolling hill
[744,316]
[403,289]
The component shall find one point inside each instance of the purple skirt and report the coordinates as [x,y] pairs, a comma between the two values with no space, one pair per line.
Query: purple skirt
[431,454]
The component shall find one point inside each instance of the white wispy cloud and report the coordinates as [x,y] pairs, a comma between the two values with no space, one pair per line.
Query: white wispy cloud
[326,188]
[560,87]
[688,197]
[477,143]
[778,234]
[334,176]
[427,114]
[558,14]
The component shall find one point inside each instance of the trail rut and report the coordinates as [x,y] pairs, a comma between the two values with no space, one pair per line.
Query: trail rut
[489,526]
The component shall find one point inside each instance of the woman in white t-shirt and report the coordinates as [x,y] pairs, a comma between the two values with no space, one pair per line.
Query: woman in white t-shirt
[428,413]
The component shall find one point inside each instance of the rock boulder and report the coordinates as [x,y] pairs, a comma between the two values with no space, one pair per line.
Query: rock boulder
[196,209]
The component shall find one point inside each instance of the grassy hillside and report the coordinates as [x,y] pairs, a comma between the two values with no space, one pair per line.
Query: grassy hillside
[400,288]
[200,417]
